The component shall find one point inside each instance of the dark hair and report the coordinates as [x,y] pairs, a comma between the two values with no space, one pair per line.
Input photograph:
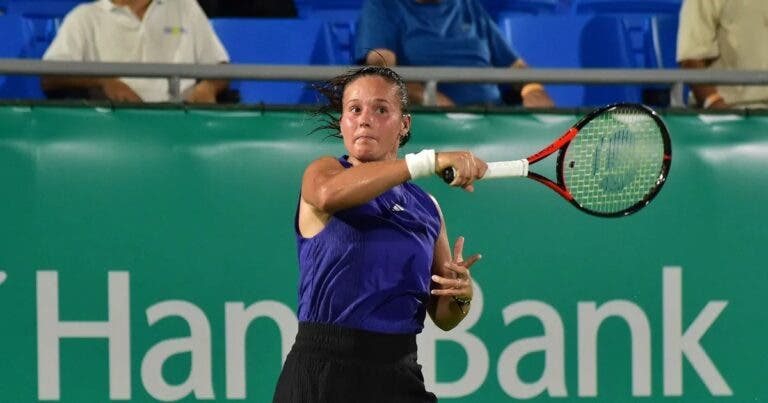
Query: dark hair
[333,91]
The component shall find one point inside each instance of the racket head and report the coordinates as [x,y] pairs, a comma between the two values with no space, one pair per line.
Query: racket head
[618,161]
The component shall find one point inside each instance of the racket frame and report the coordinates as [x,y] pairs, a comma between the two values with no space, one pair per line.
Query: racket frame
[519,168]
[562,144]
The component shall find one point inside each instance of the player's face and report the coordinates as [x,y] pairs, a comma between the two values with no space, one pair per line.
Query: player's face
[372,121]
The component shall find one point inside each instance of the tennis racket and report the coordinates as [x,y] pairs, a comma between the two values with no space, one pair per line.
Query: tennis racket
[611,163]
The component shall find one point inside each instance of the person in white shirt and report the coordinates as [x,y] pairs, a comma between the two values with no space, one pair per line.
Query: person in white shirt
[137,31]
[726,35]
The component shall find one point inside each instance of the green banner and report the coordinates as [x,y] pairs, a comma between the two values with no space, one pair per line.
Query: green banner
[148,255]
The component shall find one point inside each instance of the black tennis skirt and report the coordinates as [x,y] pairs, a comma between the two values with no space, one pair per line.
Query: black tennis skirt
[334,364]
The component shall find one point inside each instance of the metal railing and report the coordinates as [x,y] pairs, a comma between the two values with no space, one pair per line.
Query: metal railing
[429,74]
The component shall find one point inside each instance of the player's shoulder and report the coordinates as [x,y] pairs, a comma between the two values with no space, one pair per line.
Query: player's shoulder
[326,159]
[324,162]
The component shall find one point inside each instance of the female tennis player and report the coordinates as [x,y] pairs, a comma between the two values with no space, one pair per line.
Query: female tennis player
[373,252]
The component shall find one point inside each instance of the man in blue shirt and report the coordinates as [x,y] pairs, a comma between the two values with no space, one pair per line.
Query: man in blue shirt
[440,33]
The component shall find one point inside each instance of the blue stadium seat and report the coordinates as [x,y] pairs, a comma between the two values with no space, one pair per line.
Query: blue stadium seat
[335,14]
[43,31]
[637,15]
[43,17]
[304,7]
[274,41]
[345,9]
[627,6]
[333,4]
[16,44]
[569,41]
[341,37]
[52,8]
[502,8]
[16,37]
[663,40]
[330,10]
[662,49]
[613,50]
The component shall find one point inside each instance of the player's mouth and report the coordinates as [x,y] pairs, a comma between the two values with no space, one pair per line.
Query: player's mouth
[365,138]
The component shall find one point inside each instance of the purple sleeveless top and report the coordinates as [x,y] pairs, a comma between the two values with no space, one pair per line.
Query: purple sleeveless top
[370,267]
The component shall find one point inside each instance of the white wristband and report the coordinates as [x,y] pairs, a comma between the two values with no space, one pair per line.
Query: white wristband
[421,164]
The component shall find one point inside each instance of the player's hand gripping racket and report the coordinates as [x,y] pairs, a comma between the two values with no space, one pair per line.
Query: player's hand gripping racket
[611,163]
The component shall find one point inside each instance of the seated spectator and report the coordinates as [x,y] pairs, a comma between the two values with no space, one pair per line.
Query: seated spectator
[725,35]
[139,31]
[456,33]
[249,8]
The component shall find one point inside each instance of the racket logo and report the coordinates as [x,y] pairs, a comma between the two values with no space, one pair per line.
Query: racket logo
[614,164]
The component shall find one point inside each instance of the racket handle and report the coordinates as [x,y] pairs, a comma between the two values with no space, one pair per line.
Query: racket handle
[501,169]
[506,169]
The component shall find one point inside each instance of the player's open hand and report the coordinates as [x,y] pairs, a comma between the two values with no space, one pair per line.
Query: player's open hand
[457,281]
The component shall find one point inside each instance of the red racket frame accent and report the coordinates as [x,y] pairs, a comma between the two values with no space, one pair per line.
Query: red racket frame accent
[556,145]
[552,185]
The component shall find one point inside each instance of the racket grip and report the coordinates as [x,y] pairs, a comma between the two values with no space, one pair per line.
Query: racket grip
[501,169]
[448,175]
[506,169]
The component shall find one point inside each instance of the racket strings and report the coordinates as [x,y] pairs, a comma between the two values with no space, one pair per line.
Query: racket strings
[615,162]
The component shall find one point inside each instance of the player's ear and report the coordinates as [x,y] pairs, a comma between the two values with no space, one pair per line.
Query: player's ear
[405,124]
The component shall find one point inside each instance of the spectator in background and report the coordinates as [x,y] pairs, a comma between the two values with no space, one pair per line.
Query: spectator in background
[727,35]
[159,31]
[457,33]
[249,8]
